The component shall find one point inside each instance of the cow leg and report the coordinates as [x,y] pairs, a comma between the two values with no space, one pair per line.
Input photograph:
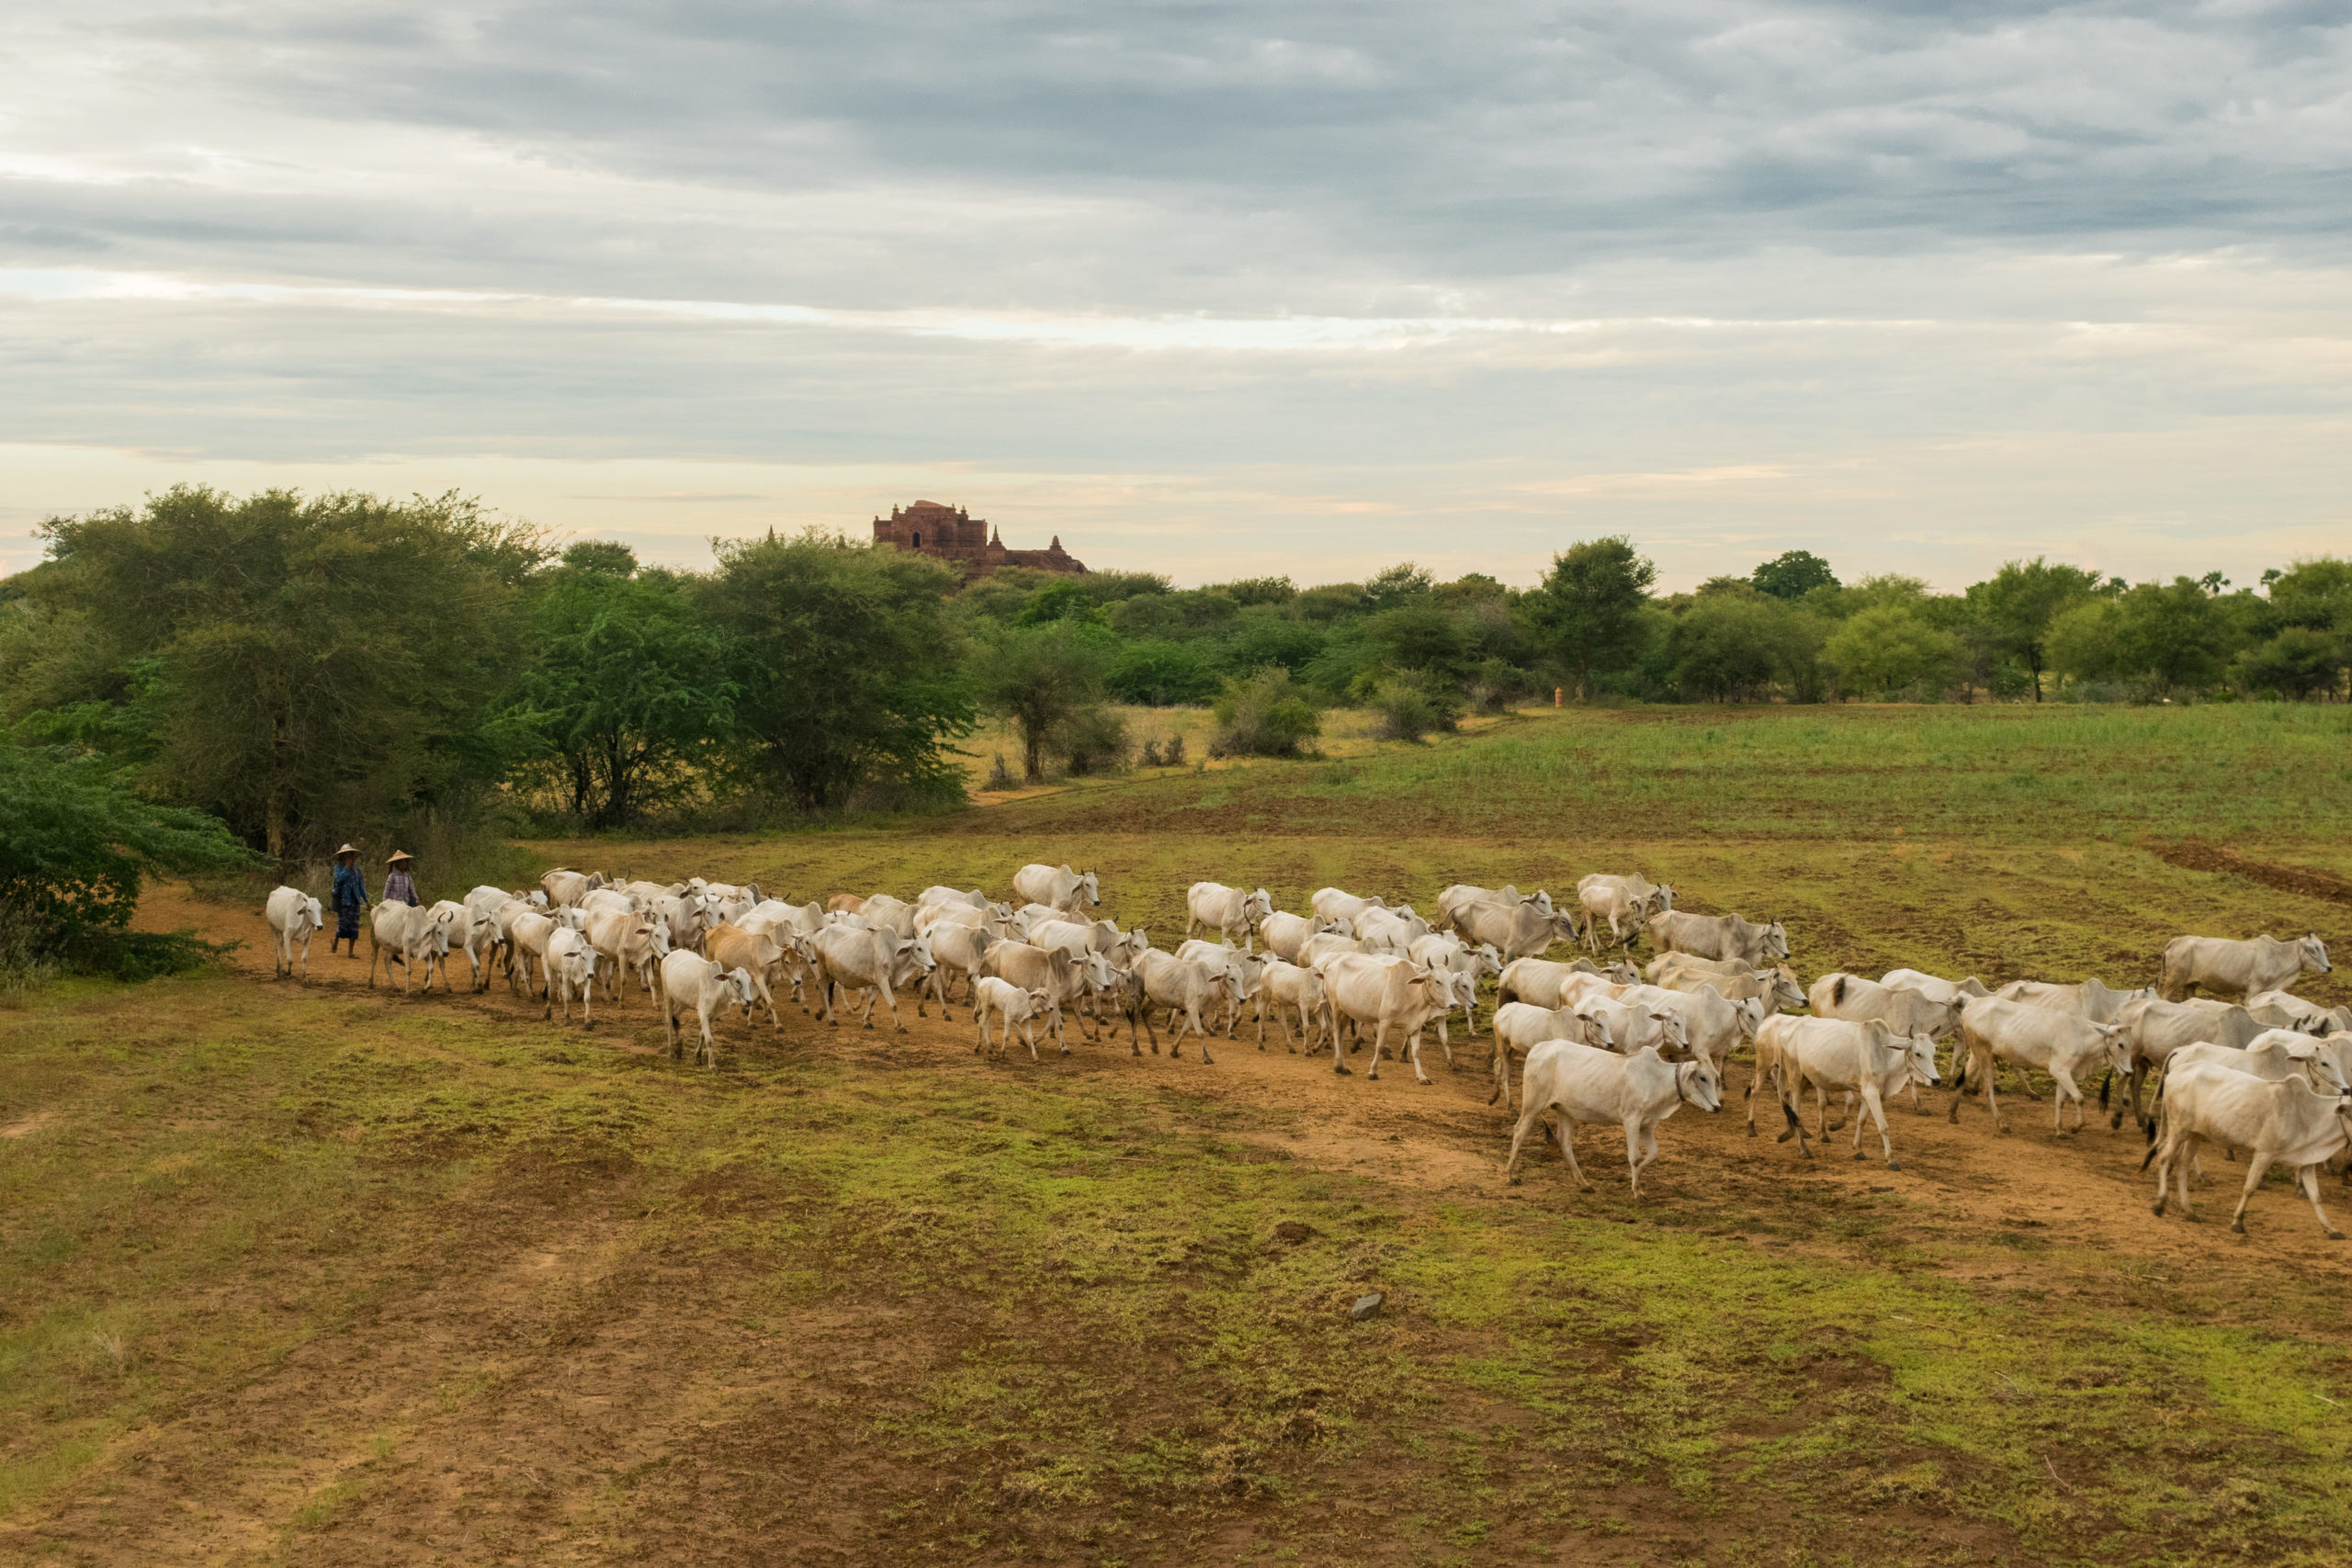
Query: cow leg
[1503,1075]
[1133,1049]
[1413,1042]
[1379,1039]
[1528,1119]
[1029,1038]
[1339,1056]
[1205,1057]
[1790,1091]
[1634,1161]
[980,1044]
[2063,1092]
[2257,1166]
[1872,1103]
[709,1046]
[2309,1175]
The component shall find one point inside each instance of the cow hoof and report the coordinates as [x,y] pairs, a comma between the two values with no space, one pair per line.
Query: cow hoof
[1372,1078]
[2157,1209]
[1894,1165]
[1751,1126]
[1588,1187]
[2192,1216]
[1346,1072]
[2005,1129]
[1860,1156]
[2237,1227]
[2335,1236]
[1512,1181]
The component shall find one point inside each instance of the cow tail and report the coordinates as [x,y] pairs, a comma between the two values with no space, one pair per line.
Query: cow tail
[1960,1067]
[2104,1085]
[1837,992]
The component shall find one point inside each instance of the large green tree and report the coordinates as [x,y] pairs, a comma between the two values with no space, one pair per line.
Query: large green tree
[1041,677]
[630,692]
[1588,614]
[852,669]
[289,662]
[2019,602]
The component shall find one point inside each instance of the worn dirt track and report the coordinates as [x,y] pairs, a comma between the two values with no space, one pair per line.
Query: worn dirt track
[559,1342]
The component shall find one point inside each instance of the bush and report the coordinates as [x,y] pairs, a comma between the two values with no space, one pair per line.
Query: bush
[74,845]
[1410,709]
[1092,741]
[1263,717]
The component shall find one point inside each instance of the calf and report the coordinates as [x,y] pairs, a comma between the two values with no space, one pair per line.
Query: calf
[1289,985]
[571,966]
[294,919]
[2284,1123]
[1064,976]
[1628,903]
[1585,1084]
[2062,1043]
[692,982]
[1002,999]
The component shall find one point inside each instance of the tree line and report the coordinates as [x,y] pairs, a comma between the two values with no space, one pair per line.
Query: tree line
[299,667]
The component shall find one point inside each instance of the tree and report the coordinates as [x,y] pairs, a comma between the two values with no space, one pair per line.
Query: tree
[2021,600]
[76,842]
[2171,636]
[1265,715]
[290,664]
[850,668]
[1890,649]
[1588,614]
[632,694]
[1792,574]
[1041,677]
[2299,662]
[1161,673]
[1737,646]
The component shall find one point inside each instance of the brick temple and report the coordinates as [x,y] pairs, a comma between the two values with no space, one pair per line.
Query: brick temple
[952,534]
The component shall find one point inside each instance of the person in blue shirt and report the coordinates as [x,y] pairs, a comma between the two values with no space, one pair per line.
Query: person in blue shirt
[400,887]
[350,898]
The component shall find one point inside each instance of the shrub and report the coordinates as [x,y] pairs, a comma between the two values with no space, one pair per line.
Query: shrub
[1410,708]
[1093,740]
[1263,717]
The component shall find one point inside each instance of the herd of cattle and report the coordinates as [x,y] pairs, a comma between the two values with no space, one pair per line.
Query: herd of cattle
[2269,1075]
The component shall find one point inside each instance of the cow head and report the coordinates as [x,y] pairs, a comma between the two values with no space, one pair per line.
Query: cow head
[1597,1031]
[1489,962]
[1699,1084]
[1749,1013]
[739,989]
[1258,906]
[1921,1049]
[2112,1046]
[1661,900]
[1670,1025]
[1776,940]
[1089,891]
[2313,953]
[1542,901]
[1098,972]
[316,913]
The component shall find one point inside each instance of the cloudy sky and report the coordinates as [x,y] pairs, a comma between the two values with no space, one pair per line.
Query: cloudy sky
[1209,289]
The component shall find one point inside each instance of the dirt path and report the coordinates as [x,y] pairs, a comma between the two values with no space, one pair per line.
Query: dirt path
[1443,1139]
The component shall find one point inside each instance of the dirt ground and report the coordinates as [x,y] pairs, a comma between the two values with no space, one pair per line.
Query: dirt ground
[538,1371]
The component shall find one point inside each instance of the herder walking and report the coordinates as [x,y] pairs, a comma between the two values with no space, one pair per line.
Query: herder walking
[350,898]
[400,887]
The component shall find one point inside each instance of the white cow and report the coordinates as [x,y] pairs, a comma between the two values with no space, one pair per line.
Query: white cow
[1284,985]
[1228,911]
[408,936]
[955,949]
[1719,936]
[2064,1044]
[469,934]
[1463,893]
[1540,980]
[2260,964]
[877,963]
[1852,1056]
[1178,983]
[1850,997]
[629,943]
[2285,1122]
[1003,999]
[1441,949]
[1935,987]
[757,954]
[1241,971]
[1286,935]
[1514,930]
[1386,993]
[2154,1029]
[1628,903]
[1339,904]
[565,888]
[1713,1026]
[1066,892]
[294,919]
[571,966]
[2093,1000]
[2284,1009]
[1586,1083]
[1522,1026]
[693,983]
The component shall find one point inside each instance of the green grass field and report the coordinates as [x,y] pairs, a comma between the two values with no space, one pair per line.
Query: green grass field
[305,1274]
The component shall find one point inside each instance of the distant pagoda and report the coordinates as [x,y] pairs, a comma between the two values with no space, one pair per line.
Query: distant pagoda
[952,534]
